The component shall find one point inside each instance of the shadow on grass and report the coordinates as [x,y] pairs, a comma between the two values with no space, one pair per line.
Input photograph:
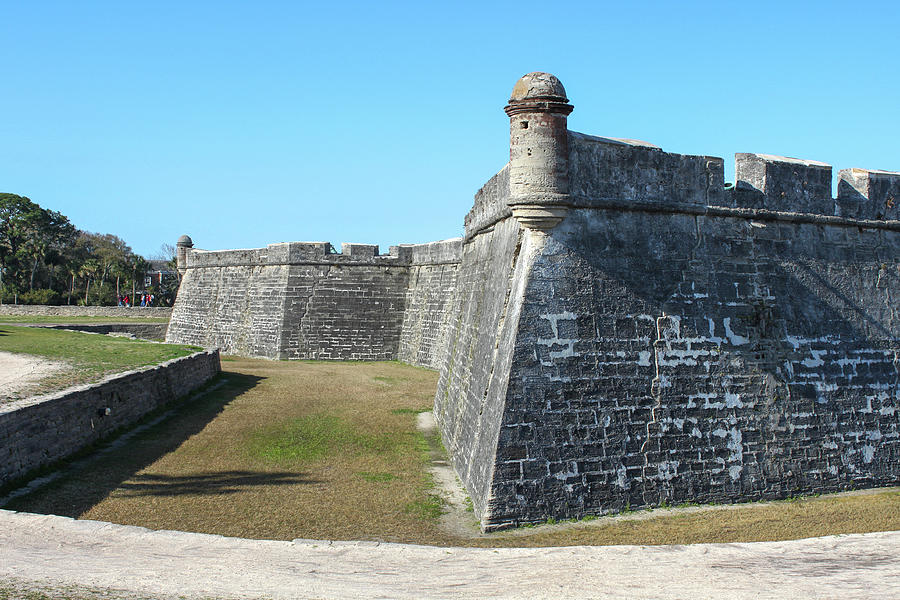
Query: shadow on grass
[88,481]
[206,484]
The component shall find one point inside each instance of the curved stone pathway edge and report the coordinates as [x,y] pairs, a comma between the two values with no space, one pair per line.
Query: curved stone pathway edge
[58,551]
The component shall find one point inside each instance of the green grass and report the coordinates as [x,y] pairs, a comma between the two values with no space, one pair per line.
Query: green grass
[81,320]
[89,357]
[429,508]
[377,477]
[315,437]
[409,411]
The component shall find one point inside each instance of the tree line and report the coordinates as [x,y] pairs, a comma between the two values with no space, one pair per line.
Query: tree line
[45,259]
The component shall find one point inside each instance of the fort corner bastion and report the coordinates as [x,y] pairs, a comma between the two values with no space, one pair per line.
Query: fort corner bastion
[617,328]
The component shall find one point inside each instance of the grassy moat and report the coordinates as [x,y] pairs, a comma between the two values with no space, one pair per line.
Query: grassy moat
[329,450]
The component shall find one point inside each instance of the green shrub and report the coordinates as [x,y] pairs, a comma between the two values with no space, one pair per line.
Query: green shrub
[49,297]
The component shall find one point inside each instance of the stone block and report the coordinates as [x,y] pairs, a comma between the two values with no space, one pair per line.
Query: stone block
[783,184]
[359,250]
[868,194]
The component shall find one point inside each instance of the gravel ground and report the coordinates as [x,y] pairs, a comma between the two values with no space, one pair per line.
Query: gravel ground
[18,371]
[54,552]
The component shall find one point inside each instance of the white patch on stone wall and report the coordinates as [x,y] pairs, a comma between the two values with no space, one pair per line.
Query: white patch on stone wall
[735,444]
[669,327]
[713,405]
[668,470]
[816,360]
[696,433]
[735,472]
[868,453]
[789,368]
[733,338]
[692,399]
[733,401]
[662,381]
[569,350]
[562,379]
[643,358]
[621,480]
[571,471]
[720,432]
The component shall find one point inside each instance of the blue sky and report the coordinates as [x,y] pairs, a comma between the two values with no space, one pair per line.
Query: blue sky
[243,124]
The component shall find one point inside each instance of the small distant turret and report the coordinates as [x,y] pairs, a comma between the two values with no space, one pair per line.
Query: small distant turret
[538,112]
[184,244]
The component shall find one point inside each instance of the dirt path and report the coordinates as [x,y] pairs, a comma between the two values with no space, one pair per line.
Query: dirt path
[59,552]
[18,371]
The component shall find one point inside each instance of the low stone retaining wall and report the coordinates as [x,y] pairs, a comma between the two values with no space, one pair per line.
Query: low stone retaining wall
[39,431]
[86,311]
[145,331]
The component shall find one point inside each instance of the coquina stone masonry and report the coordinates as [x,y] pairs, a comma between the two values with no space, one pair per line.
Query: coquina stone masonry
[302,300]
[117,312]
[618,328]
[672,339]
[36,432]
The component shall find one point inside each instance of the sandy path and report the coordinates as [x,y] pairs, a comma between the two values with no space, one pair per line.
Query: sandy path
[60,551]
[18,371]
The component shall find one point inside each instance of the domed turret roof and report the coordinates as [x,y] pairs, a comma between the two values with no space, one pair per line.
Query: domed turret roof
[185,240]
[538,85]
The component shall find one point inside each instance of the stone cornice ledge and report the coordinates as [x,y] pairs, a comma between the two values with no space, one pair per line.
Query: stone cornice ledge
[751,214]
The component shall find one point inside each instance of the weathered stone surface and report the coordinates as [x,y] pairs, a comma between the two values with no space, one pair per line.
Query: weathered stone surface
[300,300]
[118,312]
[430,303]
[39,431]
[669,358]
[491,204]
[783,184]
[632,171]
[865,194]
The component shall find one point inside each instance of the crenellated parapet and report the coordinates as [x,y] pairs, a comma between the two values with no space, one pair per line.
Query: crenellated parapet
[322,253]
[631,173]
[865,194]
[491,204]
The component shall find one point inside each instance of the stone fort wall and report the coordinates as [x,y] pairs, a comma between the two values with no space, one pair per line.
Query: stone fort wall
[669,342]
[301,300]
[618,328]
